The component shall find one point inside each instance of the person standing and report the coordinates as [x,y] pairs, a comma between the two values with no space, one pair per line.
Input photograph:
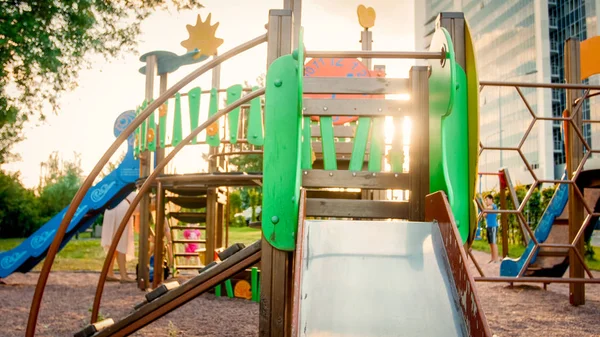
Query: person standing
[125,248]
[491,220]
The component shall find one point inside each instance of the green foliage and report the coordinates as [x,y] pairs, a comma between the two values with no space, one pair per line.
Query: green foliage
[60,183]
[19,215]
[45,43]
[535,207]
[235,206]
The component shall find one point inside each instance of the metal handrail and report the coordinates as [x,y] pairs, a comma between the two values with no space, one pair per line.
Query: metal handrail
[87,183]
[420,55]
[147,184]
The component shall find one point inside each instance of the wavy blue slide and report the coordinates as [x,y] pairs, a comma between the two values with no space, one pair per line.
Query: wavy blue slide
[511,267]
[106,194]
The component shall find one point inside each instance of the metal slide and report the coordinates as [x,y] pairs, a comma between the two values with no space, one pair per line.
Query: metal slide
[107,193]
[377,278]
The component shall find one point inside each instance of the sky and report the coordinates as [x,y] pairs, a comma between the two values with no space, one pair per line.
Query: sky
[85,121]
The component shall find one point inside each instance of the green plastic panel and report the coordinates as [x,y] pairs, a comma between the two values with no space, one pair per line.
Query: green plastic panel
[397,151]
[194,102]
[255,122]
[328,142]
[177,128]
[473,108]
[254,286]
[213,108]
[152,131]
[281,161]
[377,145]
[233,94]
[306,144]
[360,144]
[144,142]
[449,136]
[162,123]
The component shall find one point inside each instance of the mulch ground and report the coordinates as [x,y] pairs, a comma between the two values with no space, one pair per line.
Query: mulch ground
[522,310]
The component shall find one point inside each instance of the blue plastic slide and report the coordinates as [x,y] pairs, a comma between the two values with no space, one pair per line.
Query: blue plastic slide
[511,267]
[106,194]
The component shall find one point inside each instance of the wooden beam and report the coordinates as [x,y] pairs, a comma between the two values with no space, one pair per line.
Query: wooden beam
[419,148]
[574,155]
[211,224]
[342,208]
[340,131]
[360,179]
[355,107]
[352,85]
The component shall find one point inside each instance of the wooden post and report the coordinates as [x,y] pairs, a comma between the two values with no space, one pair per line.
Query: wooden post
[276,265]
[145,168]
[419,147]
[504,221]
[219,224]
[216,82]
[211,208]
[574,156]
[159,242]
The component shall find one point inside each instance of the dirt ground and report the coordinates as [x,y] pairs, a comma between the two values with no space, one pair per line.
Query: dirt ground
[524,310]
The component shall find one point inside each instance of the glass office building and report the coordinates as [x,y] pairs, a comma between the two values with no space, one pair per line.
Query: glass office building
[519,41]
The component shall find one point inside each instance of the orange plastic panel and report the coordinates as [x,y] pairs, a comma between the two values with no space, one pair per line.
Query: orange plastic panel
[589,52]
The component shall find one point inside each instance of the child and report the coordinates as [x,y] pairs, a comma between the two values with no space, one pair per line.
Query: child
[492,227]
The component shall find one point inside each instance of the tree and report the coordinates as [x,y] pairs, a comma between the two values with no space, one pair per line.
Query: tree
[60,184]
[45,43]
[19,212]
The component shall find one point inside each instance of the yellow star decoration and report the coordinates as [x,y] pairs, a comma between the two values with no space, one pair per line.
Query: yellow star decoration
[202,37]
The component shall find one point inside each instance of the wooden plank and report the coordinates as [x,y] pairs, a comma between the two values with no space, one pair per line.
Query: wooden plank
[353,85]
[341,148]
[211,217]
[349,179]
[188,202]
[354,107]
[322,194]
[220,214]
[341,208]
[339,131]
[266,268]
[190,217]
[159,236]
[328,143]
[360,144]
[574,155]
[438,209]
[419,148]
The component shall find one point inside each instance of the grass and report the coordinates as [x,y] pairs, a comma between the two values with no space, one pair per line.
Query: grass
[516,251]
[86,253]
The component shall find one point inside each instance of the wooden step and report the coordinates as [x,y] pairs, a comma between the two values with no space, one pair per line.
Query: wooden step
[187,227]
[561,222]
[188,241]
[189,217]
[185,254]
[190,191]
[188,202]
[347,208]
[190,267]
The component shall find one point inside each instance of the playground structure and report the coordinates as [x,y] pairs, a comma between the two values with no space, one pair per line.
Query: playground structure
[302,139]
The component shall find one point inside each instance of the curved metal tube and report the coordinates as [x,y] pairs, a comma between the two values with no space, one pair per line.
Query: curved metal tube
[148,183]
[87,183]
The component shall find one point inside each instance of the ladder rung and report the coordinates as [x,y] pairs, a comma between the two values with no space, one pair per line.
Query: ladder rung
[373,86]
[185,254]
[187,227]
[188,241]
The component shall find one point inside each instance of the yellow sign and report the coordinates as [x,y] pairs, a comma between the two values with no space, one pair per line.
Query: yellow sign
[366,16]
[202,37]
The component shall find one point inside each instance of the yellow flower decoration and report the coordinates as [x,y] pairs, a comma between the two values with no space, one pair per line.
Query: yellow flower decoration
[202,37]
